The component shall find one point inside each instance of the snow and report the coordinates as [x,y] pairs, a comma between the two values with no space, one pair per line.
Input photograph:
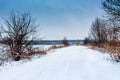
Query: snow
[71,63]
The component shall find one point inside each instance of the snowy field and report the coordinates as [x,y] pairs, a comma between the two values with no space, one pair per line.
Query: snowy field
[71,63]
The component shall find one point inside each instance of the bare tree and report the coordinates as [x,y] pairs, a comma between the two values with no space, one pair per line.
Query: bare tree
[98,31]
[113,32]
[112,8]
[17,35]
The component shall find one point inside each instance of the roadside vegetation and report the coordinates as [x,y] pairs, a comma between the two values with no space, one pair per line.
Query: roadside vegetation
[105,33]
[16,37]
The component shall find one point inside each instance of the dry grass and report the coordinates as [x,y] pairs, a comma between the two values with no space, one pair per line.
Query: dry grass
[40,52]
[55,47]
[34,52]
[113,50]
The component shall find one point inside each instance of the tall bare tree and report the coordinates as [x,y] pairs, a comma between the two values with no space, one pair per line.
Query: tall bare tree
[113,31]
[17,34]
[98,31]
[112,9]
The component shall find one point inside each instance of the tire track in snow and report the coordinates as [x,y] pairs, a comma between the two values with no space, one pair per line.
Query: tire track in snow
[68,68]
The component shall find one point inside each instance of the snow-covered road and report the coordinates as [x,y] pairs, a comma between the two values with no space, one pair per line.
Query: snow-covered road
[71,63]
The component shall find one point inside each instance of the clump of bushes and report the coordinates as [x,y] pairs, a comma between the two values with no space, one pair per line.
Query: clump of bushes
[65,42]
[17,36]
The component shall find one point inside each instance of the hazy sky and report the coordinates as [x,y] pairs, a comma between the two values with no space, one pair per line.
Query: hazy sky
[57,18]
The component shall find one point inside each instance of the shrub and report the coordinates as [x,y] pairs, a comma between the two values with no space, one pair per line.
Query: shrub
[16,36]
[65,42]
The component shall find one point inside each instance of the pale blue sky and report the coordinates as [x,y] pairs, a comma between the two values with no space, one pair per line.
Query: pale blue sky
[57,18]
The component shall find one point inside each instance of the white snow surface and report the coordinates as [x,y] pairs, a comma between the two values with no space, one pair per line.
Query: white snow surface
[71,63]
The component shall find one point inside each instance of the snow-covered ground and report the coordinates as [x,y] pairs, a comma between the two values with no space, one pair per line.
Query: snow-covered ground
[71,63]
